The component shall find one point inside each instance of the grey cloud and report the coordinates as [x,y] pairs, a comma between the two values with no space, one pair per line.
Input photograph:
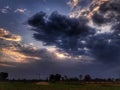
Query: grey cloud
[112,5]
[99,19]
[105,48]
[67,33]
[60,30]
[108,12]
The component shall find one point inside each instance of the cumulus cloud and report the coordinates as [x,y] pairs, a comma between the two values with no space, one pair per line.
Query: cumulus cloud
[68,33]
[61,31]
[5,9]
[20,10]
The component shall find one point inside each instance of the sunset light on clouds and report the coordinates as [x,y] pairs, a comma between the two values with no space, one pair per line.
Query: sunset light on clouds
[60,36]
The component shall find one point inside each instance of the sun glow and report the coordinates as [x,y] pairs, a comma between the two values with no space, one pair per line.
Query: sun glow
[57,54]
[60,55]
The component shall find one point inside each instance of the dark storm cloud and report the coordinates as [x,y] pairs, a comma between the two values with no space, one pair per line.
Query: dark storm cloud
[112,5]
[99,19]
[106,48]
[60,30]
[59,24]
[68,33]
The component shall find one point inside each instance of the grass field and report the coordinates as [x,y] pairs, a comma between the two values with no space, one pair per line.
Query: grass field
[55,86]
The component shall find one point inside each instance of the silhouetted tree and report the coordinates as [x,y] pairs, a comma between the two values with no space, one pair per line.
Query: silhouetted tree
[54,78]
[109,79]
[87,77]
[3,75]
[73,79]
[57,77]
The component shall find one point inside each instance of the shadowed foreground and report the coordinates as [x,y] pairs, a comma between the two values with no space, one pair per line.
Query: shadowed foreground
[56,86]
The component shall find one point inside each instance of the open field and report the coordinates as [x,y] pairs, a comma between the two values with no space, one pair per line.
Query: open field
[56,86]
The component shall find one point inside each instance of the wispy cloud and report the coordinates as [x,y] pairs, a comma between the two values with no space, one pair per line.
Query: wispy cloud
[12,50]
[20,10]
[5,9]
[8,9]
[6,35]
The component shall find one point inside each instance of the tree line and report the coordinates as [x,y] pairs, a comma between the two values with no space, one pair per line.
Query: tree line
[59,77]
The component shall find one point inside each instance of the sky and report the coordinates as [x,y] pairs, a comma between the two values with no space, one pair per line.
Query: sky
[70,37]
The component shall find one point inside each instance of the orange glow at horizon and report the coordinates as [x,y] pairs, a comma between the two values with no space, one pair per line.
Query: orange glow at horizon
[6,65]
[57,54]
[12,38]
[17,56]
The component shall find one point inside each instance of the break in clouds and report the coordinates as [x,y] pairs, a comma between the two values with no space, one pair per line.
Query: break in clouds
[91,31]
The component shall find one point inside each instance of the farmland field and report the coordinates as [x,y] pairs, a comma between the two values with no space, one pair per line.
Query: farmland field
[55,86]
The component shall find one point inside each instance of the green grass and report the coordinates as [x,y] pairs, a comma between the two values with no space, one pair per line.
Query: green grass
[34,86]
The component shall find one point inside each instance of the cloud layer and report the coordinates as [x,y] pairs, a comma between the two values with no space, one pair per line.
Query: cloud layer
[77,36]
[25,61]
[62,31]
[13,51]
